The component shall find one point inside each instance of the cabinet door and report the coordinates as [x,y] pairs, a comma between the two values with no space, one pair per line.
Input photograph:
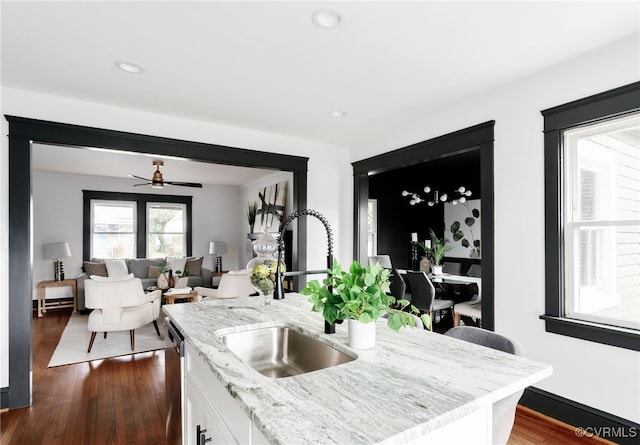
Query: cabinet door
[202,425]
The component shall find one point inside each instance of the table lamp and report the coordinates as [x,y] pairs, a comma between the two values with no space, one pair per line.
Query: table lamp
[218,248]
[55,251]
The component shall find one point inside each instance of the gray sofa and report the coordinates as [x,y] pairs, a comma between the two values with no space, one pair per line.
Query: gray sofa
[139,267]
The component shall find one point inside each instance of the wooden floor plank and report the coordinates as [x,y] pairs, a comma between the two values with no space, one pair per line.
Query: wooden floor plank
[121,401]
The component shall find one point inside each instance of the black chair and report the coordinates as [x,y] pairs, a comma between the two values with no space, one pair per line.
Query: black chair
[398,286]
[423,295]
[383,260]
[504,410]
[452,268]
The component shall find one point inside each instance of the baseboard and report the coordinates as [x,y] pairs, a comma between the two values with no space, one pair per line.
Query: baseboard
[588,421]
[4,398]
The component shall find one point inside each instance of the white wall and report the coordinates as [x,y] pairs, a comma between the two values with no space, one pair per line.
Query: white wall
[57,217]
[604,377]
[326,161]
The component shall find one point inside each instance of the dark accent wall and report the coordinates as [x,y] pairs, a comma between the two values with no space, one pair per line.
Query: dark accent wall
[397,219]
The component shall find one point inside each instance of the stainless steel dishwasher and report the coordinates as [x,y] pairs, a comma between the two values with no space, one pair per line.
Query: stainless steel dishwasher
[174,367]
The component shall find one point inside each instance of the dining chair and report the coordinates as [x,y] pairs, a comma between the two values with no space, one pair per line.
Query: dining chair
[398,286]
[471,310]
[504,410]
[383,260]
[452,268]
[423,295]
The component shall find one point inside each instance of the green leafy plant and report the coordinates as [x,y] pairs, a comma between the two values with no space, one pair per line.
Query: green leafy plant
[361,293]
[252,212]
[439,248]
[181,274]
[163,267]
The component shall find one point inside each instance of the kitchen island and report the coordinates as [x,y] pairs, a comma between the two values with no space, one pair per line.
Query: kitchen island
[413,386]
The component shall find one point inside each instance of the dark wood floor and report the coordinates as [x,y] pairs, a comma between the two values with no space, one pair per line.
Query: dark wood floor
[121,401]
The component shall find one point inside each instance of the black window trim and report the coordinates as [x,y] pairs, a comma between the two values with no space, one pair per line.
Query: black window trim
[141,200]
[614,103]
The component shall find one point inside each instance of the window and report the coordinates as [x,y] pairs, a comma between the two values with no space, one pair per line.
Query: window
[166,230]
[136,225]
[592,188]
[602,223]
[113,229]
[372,227]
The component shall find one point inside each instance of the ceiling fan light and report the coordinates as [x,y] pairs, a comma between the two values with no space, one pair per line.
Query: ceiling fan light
[157,185]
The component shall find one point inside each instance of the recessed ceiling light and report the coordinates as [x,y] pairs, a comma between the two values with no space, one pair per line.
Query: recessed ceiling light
[327,18]
[337,113]
[130,67]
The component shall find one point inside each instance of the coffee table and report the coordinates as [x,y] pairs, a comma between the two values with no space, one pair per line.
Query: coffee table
[190,297]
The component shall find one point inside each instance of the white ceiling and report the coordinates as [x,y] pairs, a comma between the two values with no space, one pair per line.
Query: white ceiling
[117,164]
[264,65]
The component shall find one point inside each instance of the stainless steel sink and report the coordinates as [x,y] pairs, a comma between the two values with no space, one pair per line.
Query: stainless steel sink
[281,351]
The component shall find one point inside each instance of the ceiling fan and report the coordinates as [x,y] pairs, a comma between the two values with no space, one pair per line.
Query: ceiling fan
[158,182]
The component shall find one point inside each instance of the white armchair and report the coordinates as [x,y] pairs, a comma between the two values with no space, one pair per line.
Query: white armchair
[232,285]
[120,305]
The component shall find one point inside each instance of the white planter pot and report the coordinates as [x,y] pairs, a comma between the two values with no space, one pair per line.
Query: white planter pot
[362,335]
[162,281]
[437,270]
[181,283]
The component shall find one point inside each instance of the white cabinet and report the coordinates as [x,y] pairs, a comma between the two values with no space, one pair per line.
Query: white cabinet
[208,406]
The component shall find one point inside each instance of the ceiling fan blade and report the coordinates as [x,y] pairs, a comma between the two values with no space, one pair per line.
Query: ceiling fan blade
[146,183]
[138,177]
[184,184]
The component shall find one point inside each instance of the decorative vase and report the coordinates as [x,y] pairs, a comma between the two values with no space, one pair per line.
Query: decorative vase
[262,268]
[171,281]
[437,270]
[162,282]
[182,282]
[425,265]
[362,335]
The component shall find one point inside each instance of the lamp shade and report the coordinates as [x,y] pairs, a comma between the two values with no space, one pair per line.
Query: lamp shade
[57,250]
[217,248]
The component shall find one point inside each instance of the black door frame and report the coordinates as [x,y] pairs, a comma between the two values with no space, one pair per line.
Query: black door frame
[479,137]
[22,133]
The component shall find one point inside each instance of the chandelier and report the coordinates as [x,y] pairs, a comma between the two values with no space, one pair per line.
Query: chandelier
[433,197]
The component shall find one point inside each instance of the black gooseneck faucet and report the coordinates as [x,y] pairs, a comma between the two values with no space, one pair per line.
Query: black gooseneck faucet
[278,292]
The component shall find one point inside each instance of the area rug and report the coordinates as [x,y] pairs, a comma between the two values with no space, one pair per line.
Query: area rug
[74,342]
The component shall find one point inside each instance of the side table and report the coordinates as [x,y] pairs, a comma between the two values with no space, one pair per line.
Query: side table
[43,305]
[215,278]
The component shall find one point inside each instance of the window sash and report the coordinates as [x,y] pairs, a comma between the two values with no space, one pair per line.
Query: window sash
[172,240]
[590,221]
[111,241]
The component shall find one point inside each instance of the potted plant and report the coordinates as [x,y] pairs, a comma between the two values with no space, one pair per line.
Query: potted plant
[437,251]
[182,279]
[361,296]
[163,282]
[252,211]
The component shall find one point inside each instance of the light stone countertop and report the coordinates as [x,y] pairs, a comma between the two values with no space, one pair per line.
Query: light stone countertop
[411,383]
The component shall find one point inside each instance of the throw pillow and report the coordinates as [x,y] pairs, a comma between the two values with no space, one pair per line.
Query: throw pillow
[97,269]
[113,279]
[116,268]
[194,266]
[176,264]
[153,272]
